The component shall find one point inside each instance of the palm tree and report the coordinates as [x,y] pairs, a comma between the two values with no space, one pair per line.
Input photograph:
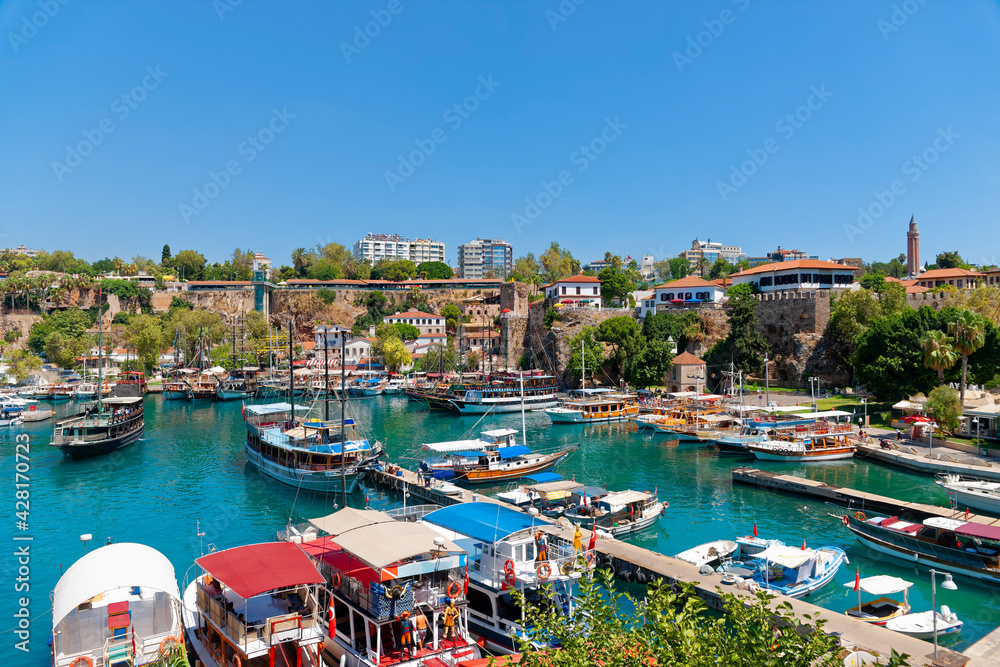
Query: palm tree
[969,332]
[299,260]
[702,265]
[939,353]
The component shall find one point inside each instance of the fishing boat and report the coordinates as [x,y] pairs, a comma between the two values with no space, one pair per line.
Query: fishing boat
[378,570]
[11,413]
[971,492]
[85,391]
[826,443]
[620,513]
[884,608]
[544,492]
[729,556]
[595,405]
[177,389]
[117,605]
[535,392]
[255,605]
[504,556]
[796,572]
[939,542]
[445,455]
[233,388]
[923,625]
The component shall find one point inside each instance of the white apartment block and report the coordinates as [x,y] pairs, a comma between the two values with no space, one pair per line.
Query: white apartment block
[375,247]
[476,259]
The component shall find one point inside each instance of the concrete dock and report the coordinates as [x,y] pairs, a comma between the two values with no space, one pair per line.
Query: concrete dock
[625,557]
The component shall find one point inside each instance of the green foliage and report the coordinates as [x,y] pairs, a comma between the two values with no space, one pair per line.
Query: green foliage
[527,270]
[177,302]
[327,296]
[406,331]
[123,289]
[873,281]
[968,330]
[939,351]
[190,264]
[624,336]
[438,356]
[946,408]
[71,323]
[895,268]
[21,364]
[745,346]
[191,324]
[721,269]
[165,255]
[742,290]
[284,273]
[144,333]
[63,350]
[651,364]
[434,270]
[558,263]
[395,355]
[551,315]
[452,316]
[591,355]
[376,306]
[121,318]
[12,336]
[615,285]
[61,261]
[950,260]
[395,270]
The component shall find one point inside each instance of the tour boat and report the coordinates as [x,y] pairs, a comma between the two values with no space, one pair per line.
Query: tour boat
[536,392]
[596,406]
[796,572]
[233,388]
[442,466]
[113,423]
[61,392]
[312,455]
[503,547]
[203,386]
[923,625]
[256,605]
[117,605]
[884,608]
[133,383]
[825,444]
[737,444]
[394,386]
[85,391]
[377,569]
[620,513]
[11,413]
[949,544]
[507,463]
[972,492]
[177,389]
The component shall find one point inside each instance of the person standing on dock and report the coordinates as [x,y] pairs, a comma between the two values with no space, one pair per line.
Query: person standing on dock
[577,540]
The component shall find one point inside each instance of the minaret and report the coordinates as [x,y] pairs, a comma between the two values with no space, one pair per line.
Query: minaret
[913,250]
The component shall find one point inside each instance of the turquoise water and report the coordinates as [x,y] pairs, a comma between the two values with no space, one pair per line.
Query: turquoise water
[190,465]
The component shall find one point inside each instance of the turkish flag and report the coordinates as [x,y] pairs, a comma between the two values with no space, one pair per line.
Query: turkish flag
[857,580]
[593,538]
[755,529]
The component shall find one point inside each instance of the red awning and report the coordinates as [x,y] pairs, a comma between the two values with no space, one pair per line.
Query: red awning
[980,530]
[259,568]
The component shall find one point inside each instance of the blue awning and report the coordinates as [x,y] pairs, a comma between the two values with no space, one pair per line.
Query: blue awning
[469,454]
[485,522]
[512,451]
[543,477]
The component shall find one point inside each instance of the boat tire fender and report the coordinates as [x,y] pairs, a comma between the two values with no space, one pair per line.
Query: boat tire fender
[640,576]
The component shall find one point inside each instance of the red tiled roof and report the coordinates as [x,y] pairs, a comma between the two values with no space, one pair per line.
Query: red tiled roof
[219,282]
[579,278]
[944,274]
[412,312]
[916,289]
[794,265]
[689,281]
[687,359]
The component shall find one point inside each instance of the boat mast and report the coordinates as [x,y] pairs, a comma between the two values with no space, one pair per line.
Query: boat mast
[524,429]
[291,372]
[583,365]
[343,436]
[326,377]
[99,351]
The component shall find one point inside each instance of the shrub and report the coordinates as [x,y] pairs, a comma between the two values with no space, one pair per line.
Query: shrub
[327,296]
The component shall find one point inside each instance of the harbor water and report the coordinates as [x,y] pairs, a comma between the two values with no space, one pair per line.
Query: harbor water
[190,467]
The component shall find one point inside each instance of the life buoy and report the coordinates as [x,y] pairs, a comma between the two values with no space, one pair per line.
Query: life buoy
[847,521]
[510,578]
[567,568]
[454,589]
[337,580]
[544,570]
[508,567]
[164,646]
[860,516]
[590,559]
[321,647]
[82,660]
[237,662]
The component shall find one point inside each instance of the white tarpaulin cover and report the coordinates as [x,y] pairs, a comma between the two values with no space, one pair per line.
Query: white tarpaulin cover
[110,568]
[882,584]
[455,446]
[789,557]
[349,519]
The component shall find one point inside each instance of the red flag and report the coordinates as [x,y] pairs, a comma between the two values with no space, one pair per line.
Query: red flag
[593,539]
[857,580]
[803,544]
[755,529]
[966,513]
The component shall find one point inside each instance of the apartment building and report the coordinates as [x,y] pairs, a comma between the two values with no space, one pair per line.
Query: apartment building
[485,257]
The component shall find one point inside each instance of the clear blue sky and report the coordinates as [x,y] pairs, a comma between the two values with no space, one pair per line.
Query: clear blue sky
[887,94]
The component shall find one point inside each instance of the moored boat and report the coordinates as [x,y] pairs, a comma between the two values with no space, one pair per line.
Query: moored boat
[11,412]
[923,625]
[796,572]
[445,455]
[594,407]
[883,608]
[619,513]
[826,444]
[113,423]
[971,492]
[535,392]
[710,553]
[500,465]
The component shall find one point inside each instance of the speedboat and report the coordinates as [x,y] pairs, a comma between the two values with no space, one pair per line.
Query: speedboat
[882,609]
[972,492]
[922,624]
[118,605]
[11,412]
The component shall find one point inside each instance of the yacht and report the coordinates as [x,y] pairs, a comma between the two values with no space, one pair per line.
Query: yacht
[972,492]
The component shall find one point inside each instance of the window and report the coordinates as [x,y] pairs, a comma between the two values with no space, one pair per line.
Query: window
[595,290]
[578,290]
[564,290]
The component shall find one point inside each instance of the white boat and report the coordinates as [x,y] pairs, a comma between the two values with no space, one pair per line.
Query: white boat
[595,406]
[253,604]
[395,386]
[884,608]
[793,571]
[118,605]
[620,513]
[921,624]
[710,553]
[85,391]
[11,412]
[971,492]
[829,444]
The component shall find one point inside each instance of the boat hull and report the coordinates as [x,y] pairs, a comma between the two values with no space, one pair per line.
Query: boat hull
[469,408]
[92,449]
[977,501]
[474,476]
[231,394]
[832,455]
[559,416]
[177,395]
[323,481]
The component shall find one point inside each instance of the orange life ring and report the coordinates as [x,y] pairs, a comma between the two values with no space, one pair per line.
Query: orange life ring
[589,558]
[847,521]
[164,646]
[454,589]
[321,647]
[508,567]
[510,578]
[337,580]
[543,570]
[860,516]
[237,662]
[83,659]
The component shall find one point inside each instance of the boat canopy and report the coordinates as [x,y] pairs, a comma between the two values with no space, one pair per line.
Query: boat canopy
[553,487]
[542,477]
[826,413]
[944,523]
[908,405]
[272,408]
[590,491]
[258,568]
[789,557]
[485,522]
[513,451]
[710,397]
[499,433]
[452,445]
[591,392]
[786,408]
[714,418]
[349,519]
[114,566]
[682,394]
[383,544]
[625,497]
[980,530]
[882,584]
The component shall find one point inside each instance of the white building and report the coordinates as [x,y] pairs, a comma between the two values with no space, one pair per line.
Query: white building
[332,334]
[797,274]
[262,263]
[646,267]
[689,290]
[356,350]
[476,259]
[22,250]
[577,291]
[375,247]
[426,323]
[711,251]
[425,250]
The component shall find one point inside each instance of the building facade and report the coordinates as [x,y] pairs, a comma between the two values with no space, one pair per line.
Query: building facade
[687,373]
[426,323]
[960,278]
[710,251]
[485,257]
[797,274]
[689,290]
[579,291]
[375,247]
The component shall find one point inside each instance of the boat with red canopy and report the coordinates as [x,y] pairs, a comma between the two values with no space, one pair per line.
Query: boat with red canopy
[256,606]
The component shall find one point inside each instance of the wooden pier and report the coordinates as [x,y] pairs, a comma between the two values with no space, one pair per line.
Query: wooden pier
[635,563]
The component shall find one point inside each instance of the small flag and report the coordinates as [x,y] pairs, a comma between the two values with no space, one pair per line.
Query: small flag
[966,513]
[803,544]
[857,580]
[593,538]
[755,529]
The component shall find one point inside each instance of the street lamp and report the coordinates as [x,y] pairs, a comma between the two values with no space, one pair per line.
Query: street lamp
[930,436]
[975,420]
[949,585]
[864,402]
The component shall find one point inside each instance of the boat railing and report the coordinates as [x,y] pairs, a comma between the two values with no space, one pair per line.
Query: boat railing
[412,513]
[908,543]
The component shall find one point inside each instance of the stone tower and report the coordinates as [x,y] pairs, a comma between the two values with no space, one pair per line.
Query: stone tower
[912,250]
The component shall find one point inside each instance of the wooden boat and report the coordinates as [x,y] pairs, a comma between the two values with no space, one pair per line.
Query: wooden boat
[602,407]
[376,570]
[134,379]
[824,444]
[884,608]
[620,513]
[255,605]
[177,389]
[957,546]
[972,492]
[508,463]
[117,605]
[441,465]
[114,423]
[543,491]
[922,624]
[203,386]
[535,392]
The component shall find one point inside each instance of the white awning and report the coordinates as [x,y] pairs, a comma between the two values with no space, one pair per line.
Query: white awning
[551,487]
[826,414]
[882,584]
[624,497]
[110,568]
[787,408]
[908,405]
[789,557]
[384,544]
[349,519]
[682,394]
[272,408]
[454,446]
[943,522]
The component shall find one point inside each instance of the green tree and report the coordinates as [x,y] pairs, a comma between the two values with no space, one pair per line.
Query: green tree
[873,281]
[63,350]
[615,285]
[968,330]
[452,316]
[406,331]
[438,356]
[327,296]
[22,364]
[950,260]
[434,270]
[324,269]
[586,353]
[527,269]
[946,407]
[558,263]
[165,255]
[720,269]
[190,264]
[939,352]
[888,357]
[624,336]
[145,334]
[72,323]
[299,261]
[551,315]
[394,270]
[853,311]
[680,267]
[395,355]
[651,364]
[256,324]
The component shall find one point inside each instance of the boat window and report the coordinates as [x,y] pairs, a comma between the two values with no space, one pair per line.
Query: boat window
[928,532]
[479,602]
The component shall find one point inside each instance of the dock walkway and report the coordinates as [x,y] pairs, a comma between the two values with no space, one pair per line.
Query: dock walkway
[625,557]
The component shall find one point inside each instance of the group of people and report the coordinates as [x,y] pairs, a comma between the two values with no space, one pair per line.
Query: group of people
[414,628]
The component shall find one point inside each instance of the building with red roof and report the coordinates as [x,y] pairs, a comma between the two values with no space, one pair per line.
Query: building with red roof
[960,278]
[797,275]
[577,291]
